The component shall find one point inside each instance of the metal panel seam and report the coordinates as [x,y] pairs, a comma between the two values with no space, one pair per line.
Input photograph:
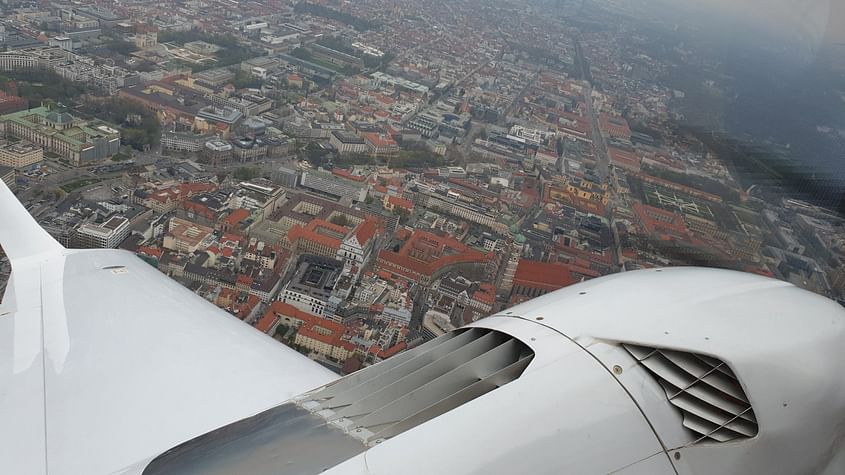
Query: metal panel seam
[43,365]
[637,404]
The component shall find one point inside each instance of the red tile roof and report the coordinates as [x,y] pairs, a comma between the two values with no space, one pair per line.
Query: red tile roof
[384,99]
[484,297]
[150,251]
[181,192]
[229,237]
[267,321]
[199,209]
[624,159]
[760,271]
[660,221]
[548,276]
[614,126]
[366,230]
[400,202]
[393,350]
[236,216]
[311,233]
[325,331]
[575,123]
[379,140]
[287,310]
[313,327]
[425,253]
[348,175]
[556,194]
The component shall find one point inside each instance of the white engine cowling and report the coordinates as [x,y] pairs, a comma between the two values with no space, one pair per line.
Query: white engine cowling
[690,371]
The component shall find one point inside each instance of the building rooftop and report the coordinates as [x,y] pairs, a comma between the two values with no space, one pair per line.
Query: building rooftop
[544,275]
[218,145]
[319,231]
[225,114]
[333,185]
[347,137]
[59,118]
[19,147]
[425,253]
[190,233]
[366,230]
[79,137]
[315,276]
[105,229]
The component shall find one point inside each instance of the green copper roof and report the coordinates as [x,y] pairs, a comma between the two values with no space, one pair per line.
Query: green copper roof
[59,117]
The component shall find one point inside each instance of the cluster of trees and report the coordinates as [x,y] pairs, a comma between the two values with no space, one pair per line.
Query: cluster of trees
[120,46]
[370,61]
[358,23]
[304,54]
[75,185]
[350,160]
[541,55]
[51,194]
[139,128]
[338,44]
[301,53]
[319,157]
[695,181]
[232,55]
[247,173]
[418,159]
[232,51]
[246,80]
[340,220]
[281,330]
[316,155]
[41,85]
[182,37]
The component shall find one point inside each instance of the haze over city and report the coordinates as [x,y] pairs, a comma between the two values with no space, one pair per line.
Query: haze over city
[270,237]
[356,178]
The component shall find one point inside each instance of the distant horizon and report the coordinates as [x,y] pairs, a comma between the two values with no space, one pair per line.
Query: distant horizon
[835,30]
[817,23]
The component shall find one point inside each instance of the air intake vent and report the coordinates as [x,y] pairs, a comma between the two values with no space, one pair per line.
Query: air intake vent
[706,391]
[413,387]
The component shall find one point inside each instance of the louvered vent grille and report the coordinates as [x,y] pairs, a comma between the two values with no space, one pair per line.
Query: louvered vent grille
[706,391]
[413,387]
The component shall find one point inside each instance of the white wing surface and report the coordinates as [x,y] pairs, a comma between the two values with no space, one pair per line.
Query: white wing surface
[107,366]
[105,361]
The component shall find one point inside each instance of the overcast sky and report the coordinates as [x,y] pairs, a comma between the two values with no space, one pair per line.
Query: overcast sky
[836,25]
[814,22]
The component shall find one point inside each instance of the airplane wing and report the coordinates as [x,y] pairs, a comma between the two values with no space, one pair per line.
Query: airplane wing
[107,366]
[105,361]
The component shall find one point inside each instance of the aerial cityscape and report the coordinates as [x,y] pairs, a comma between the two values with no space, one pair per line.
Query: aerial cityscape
[355,178]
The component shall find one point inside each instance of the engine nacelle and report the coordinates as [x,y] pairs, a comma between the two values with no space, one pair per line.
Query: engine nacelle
[657,371]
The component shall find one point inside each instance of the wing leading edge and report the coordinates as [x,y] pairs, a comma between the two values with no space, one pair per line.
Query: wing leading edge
[20,234]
